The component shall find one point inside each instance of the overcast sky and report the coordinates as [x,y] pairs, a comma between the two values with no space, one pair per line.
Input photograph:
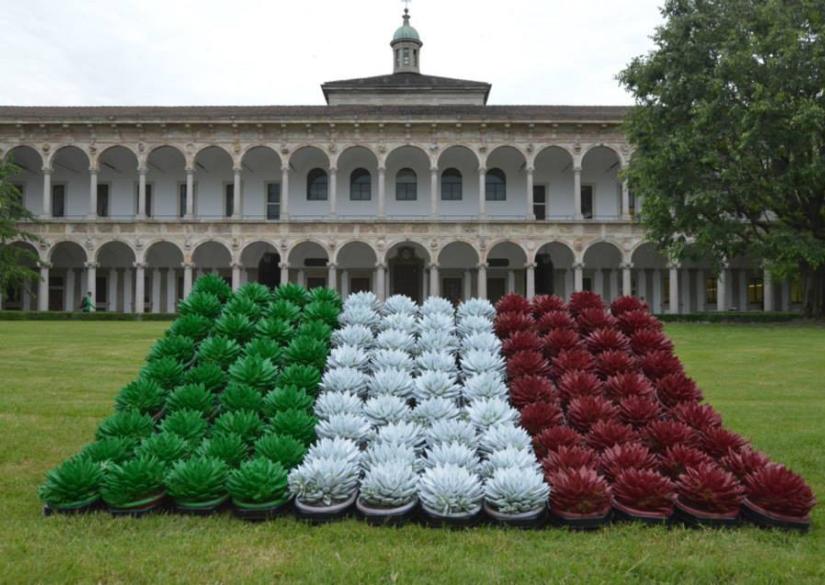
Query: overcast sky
[227,52]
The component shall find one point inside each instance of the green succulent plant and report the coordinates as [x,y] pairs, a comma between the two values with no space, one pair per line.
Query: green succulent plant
[253,371]
[109,450]
[73,484]
[283,449]
[129,424]
[198,482]
[191,397]
[255,292]
[189,425]
[210,375]
[228,447]
[132,483]
[304,377]
[325,295]
[244,306]
[285,398]
[241,397]
[259,482]
[235,326]
[182,349]
[167,372]
[278,330]
[245,423]
[296,423]
[306,351]
[265,348]
[321,311]
[316,330]
[167,447]
[219,350]
[294,293]
[144,395]
[284,310]
[195,327]
[213,284]
[202,304]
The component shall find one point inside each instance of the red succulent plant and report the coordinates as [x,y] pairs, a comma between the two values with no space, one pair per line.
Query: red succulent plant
[709,488]
[508,323]
[624,304]
[676,388]
[628,384]
[719,442]
[522,341]
[584,412]
[579,491]
[617,458]
[559,340]
[644,341]
[607,340]
[658,364]
[632,321]
[555,320]
[779,490]
[582,300]
[577,383]
[590,320]
[644,490]
[527,363]
[572,457]
[678,458]
[663,434]
[607,433]
[527,389]
[638,411]
[513,303]
[572,359]
[542,304]
[744,462]
[610,363]
[553,438]
[537,416]
[698,416]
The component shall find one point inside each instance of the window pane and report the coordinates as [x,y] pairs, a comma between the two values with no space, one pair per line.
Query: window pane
[360,185]
[317,185]
[273,201]
[496,185]
[229,197]
[102,200]
[451,185]
[148,200]
[406,185]
[182,200]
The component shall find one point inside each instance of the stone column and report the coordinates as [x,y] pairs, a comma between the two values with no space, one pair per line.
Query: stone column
[112,286]
[685,291]
[332,276]
[127,290]
[187,279]
[333,190]
[598,282]
[140,288]
[68,300]
[614,284]
[190,193]
[141,206]
[767,291]
[380,288]
[700,291]
[382,190]
[236,193]
[92,193]
[468,284]
[482,281]
[673,301]
[530,286]
[569,283]
[302,277]
[511,281]
[721,290]
[156,290]
[43,289]
[171,290]
[284,266]
[625,200]
[578,277]
[743,289]
[434,192]
[47,192]
[657,291]
[434,284]
[91,281]
[284,192]
[344,284]
[627,279]
[482,192]
[577,192]
[530,182]
[236,276]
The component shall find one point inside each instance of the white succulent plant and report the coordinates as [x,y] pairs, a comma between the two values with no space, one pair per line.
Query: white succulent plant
[477,361]
[504,436]
[433,384]
[484,341]
[485,385]
[345,426]
[400,321]
[344,380]
[324,482]
[489,412]
[514,490]
[438,361]
[363,299]
[472,325]
[354,335]
[437,305]
[510,457]
[389,485]
[452,431]
[359,315]
[395,339]
[450,491]
[437,340]
[476,308]
[386,409]
[437,322]
[391,359]
[331,403]
[402,433]
[400,304]
[349,356]
[336,448]
[391,382]
[427,412]
[378,453]
[452,454]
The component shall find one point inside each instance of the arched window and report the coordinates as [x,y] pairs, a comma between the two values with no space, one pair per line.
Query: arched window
[451,185]
[360,185]
[317,185]
[496,185]
[406,185]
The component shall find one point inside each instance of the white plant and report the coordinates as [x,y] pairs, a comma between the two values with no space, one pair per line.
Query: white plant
[400,304]
[450,490]
[485,385]
[437,360]
[476,308]
[378,453]
[359,315]
[427,412]
[391,359]
[389,485]
[510,457]
[489,412]
[452,431]
[395,339]
[391,382]
[344,380]
[431,384]
[476,361]
[437,305]
[483,341]
[504,436]
[437,322]
[402,433]
[345,426]
[472,325]
[452,454]
[355,335]
[513,490]
[437,340]
[336,448]
[383,410]
[349,356]
[331,403]
[365,299]
[324,482]
[401,321]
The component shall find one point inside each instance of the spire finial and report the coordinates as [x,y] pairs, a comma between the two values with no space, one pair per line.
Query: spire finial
[406,11]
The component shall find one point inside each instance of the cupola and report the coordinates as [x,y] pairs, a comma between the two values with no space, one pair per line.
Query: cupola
[406,47]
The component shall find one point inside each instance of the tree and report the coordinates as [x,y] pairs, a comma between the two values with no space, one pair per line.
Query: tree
[14,260]
[729,135]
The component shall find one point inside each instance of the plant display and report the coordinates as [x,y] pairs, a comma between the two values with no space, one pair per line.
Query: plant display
[193,397]
[515,490]
[253,371]
[579,491]
[74,484]
[777,489]
[296,423]
[133,482]
[129,424]
[110,450]
[208,375]
[240,397]
[570,457]
[283,449]
[323,482]
[143,395]
[389,484]
[709,488]
[258,482]
[167,372]
[644,490]
[197,481]
[286,398]
[189,425]
[228,447]
[177,347]
[166,447]
[453,454]
[450,490]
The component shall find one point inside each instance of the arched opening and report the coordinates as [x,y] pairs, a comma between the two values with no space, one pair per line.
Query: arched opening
[553,183]
[68,274]
[406,262]
[554,274]
[408,170]
[602,263]
[308,261]
[23,297]
[358,182]
[452,185]
[165,183]
[309,182]
[317,185]
[162,259]
[214,184]
[505,270]
[601,188]
[457,264]
[115,261]
[262,264]
[459,179]
[506,182]
[70,183]
[496,185]
[356,267]
[262,190]
[360,185]
[29,178]
[117,183]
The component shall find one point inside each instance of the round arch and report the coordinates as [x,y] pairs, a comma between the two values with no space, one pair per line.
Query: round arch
[309,261]
[553,183]
[602,263]
[554,261]
[356,261]
[261,262]
[212,256]
[601,186]
[406,262]
[29,178]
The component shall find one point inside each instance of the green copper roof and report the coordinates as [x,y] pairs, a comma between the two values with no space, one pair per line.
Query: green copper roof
[406,32]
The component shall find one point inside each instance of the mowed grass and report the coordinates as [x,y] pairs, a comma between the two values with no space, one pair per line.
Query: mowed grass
[58,381]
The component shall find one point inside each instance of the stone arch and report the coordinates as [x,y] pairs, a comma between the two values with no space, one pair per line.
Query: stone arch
[30,177]
[511,164]
[214,180]
[356,261]
[506,262]
[163,254]
[63,149]
[602,261]
[116,253]
[302,161]
[554,262]
[457,262]
[67,254]
[554,178]
[309,261]
[356,160]
[262,173]
[416,159]
[165,180]
[407,262]
[261,262]
[600,166]
[212,255]
[117,180]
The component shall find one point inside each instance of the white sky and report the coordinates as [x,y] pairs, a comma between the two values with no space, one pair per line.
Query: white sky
[234,52]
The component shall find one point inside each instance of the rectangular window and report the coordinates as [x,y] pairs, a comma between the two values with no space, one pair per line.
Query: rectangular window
[540,202]
[58,200]
[710,290]
[498,263]
[273,201]
[406,191]
[182,200]
[229,200]
[315,262]
[587,201]
[756,291]
[450,191]
[102,200]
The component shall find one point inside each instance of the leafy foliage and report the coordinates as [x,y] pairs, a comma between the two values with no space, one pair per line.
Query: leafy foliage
[512,490]
[254,371]
[189,425]
[244,423]
[450,490]
[389,485]
[228,447]
[109,450]
[241,397]
[323,482]
[74,482]
[166,447]
[129,424]
[295,423]
[283,449]
[219,350]
[258,481]
[132,481]
[191,397]
[197,480]
[166,371]
[210,375]
[182,349]
[144,395]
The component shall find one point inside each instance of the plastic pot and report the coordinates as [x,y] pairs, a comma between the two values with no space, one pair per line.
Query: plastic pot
[260,512]
[207,508]
[455,521]
[323,514]
[766,519]
[622,512]
[575,521]
[139,508]
[386,516]
[81,507]
[693,517]
[526,520]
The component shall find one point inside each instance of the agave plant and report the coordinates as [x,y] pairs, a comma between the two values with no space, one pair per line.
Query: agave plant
[283,449]
[527,363]
[579,491]
[389,485]
[295,423]
[589,320]
[476,361]
[349,356]
[490,412]
[658,364]
[278,330]
[167,372]
[239,305]
[228,447]
[476,308]
[332,403]
[143,395]
[609,363]
[235,326]
[709,488]
[537,416]
[513,490]
[133,482]
[354,335]
[325,295]
[198,481]
[624,304]
[557,322]
[584,412]
[366,299]
[616,459]
[644,490]
[211,376]
[400,304]
[633,321]
[744,462]
[436,360]
[306,378]
[452,454]
[247,424]
[503,436]
[195,327]
[718,442]
[324,482]
[336,448]
[569,457]
[541,304]
[513,302]
[663,434]
[602,340]
[573,359]
[553,438]
[510,322]
[472,325]
[510,457]
[386,409]
[177,347]
[364,316]
[316,330]
[559,340]
[528,389]
[74,484]
[437,322]
[483,386]
[675,460]
[255,292]
[577,384]
[522,341]
[345,380]
[779,490]
[428,412]
[306,351]
[258,482]
[241,397]
[284,310]
[212,284]
[483,341]
[189,425]
[253,371]
[395,339]
[608,433]
[645,341]
[265,348]
[346,426]
[437,340]
[390,382]
[166,447]
[450,491]
[293,293]
[697,416]
[321,311]
[673,389]
[627,385]
[451,431]
[391,359]
[639,411]
[432,384]
[285,398]
[129,424]
[219,350]
[202,304]
[191,397]
[111,450]
[378,453]
[434,305]
[403,433]
[405,322]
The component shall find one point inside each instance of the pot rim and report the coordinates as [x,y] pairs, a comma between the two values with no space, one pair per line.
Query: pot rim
[574,516]
[189,505]
[247,506]
[641,513]
[776,517]
[369,510]
[529,515]
[701,514]
[141,503]
[331,509]
[78,505]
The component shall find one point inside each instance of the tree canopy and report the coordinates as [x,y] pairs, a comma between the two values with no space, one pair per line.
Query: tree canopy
[729,135]
[15,261]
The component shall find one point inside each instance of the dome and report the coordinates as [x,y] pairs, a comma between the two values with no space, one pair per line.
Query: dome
[406,32]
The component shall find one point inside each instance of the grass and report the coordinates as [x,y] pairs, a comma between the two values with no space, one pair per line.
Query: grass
[58,380]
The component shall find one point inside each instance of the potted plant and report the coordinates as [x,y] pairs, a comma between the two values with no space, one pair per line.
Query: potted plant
[134,488]
[451,431]
[383,410]
[579,498]
[450,496]
[235,326]
[166,447]
[388,493]
[355,336]
[228,447]
[332,403]
[195,327]
[378,453]
[209,374]
[707,495]
[182,349]
[191,397]
[72,488]
[198,485]
[129,424]
[643,495]
[306,378]
[428,412]
[516,496]
[219,350]
[344,380]
[490,412]
[189,425]
[110,450]
[241,397]
[503,436]
[485,385]
[254,371]
[354,427]
[455,454]
[258,489]
[143,395]
[324,489]
[295,423]
[283,449]
[245,423]
[776,497]
[390,382]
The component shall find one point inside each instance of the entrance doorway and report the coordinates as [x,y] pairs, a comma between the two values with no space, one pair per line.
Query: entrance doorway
[407,274]
[544,275]
[269,271]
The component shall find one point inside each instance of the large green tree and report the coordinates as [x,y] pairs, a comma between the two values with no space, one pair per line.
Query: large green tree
[15,261]
[729,135]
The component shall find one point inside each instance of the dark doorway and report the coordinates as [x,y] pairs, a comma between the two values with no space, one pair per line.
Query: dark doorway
[407,272]
[56,293]
[360,284]
[451,289]
[269,270]
[496,288]
[544,275]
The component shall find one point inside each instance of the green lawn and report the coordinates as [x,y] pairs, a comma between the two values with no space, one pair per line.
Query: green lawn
[58,380]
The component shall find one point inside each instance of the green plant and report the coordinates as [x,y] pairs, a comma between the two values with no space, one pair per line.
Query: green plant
[264,348]
[306,378]
[198,482]
[241,397]
[219,350]
[202,304]
[254,371]
[295,423]
[210,375]
[109,450]
[285,398]
[129,424]
[195,327]
[228,447]
[213,284]
[283,449]
[191,397]
[144,395]
[235,326]
[167,447]
[284,311]
[294,293]
[238,305]
[258,482]
[279,330]
[316,330]
[255,292]
[73,484]
[189,425]
[134,482]
[166,371]
[321,311]
[306,351]
[325,295]
[182,349]
[245,423]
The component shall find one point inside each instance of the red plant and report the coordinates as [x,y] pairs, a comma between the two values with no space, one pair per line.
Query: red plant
[719,442]
[542,304]
[777,489]
[610,363]
[527,363]
[553,438]
[663,434]
[582,300]
[624,304]
[658,364]
[572,457]
[744,462]
[572,359]
[579,491]
[508,323]
[638,411]
[644,341]
[607,340]
[590,320]
[586,411]
[709,488]
[675,388]
[698,416]
[559,340]
[617,458]
[607,433]
[628,384]
[678,458]
[512,303]
[633,321]
[521,341]
[644,490]
[555,320]
[529,389]
[537,416]
[576,383]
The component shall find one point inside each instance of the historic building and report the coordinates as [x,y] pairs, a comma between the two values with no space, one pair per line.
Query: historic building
[403,183]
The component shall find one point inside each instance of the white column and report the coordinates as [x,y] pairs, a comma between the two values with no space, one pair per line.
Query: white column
[511,281]
[577,192]
[598,282]
[140,288]
[482,191]
[614,284]
[382,189]
[91,281]
[482,281]
[284,266]
[112,286]
[47,192]
[434,192]
[530,274]
[333,190]
[236,276]
[700,290]
[641,285]
[578,277]
[43,289]
[380,288]
[786,296]
[187,280]
[344,284]
[92,193]
[332,276]
[141,208]
[685,291]
[236,194]
[190,193]
[71,284]
[673,301]
[284,192]
[657,291]
[301,277]
[434,284]
[767,291]
[625,200]
[722,290]
[743,289]
[425,284]
[468,284]
[171,290]
[530,181]
[127,290]
[627,279]
[156,290]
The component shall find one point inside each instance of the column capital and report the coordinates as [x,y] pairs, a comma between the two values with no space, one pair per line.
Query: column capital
[187,265]
[577,169]
[626,265]
[44,265]
[530,169]
[674,265]
[93,169]
[332,265]
[139,265]
[285,168]
[46,170]
[333,170]
[142,170]
[434,169]
[91,264]
[578,265]
[482,266]
[237,265]
[190,170]
[482,170]
[380,266]
[432,265]
[382,168]
[530,266]
[283,265]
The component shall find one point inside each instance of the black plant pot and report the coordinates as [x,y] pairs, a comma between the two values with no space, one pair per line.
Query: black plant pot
[581,521]
[454,521]
[692,517]
[260,512]
[526,520]
[82,507]
[140,508]
[766,519]
[324,514]
[628,514]
[386,516]
[201,508]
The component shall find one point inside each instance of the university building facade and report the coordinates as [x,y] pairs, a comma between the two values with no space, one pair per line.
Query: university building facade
[403,183]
